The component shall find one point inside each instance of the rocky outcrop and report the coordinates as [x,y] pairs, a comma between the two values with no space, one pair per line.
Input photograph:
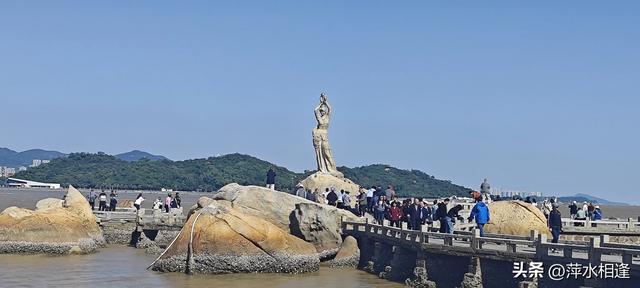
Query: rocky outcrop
[52,228]
[348,255]
[49,203]
[222,239]
[322,181]
[515,218]
[315,223]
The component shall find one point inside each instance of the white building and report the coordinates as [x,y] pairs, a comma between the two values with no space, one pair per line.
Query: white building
[14,182]
[22,168]
[7,171]
[35,163]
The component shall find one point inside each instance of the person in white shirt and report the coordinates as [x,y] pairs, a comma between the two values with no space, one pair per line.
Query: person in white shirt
[157,204]
[138,201]
[370,198]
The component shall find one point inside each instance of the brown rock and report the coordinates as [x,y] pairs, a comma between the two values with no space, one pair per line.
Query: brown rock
[515,218]
[225,240]
[51,229]
[348,255]
[313,222]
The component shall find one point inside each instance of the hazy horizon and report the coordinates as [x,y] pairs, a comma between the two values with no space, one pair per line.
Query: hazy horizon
[533,96]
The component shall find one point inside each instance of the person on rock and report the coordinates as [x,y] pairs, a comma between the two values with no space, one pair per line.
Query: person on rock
[271,179]
[339,202]
[332,197]
[346,201]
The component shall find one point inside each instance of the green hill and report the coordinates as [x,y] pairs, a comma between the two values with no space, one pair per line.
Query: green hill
[102,170]
[406,182]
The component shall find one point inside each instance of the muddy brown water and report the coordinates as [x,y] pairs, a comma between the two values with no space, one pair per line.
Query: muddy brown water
[120,266]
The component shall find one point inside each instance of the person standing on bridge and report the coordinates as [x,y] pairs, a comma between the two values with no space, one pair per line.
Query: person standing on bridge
[138,202]
[441,215]
[92,199]
[113,200]
[573,210]
[480,212]
[452,215]
[395,215]
[271,179]
[167,202]
[555,223]
[416,214]
[102,206]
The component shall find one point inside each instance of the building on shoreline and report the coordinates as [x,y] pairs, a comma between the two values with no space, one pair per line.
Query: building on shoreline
[7,171]
[14,182]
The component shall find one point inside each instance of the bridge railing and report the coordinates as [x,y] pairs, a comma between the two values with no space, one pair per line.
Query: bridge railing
[630,224]
[144,217]
[591,252]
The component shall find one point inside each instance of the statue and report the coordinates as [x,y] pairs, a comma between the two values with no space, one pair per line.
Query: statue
[324,156]
[485,190]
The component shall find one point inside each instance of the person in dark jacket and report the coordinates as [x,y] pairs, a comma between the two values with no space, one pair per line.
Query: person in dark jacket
[441,215]
[271,179]
[555,223]
[416,216]
[452,215]
[573,210]
[480,212]
[332,197]
[113,200]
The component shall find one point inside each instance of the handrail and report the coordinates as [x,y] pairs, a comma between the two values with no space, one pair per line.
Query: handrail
[595,249]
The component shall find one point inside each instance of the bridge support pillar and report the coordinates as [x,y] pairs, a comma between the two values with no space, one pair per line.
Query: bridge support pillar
[528,284]
[420,279]
[473,279]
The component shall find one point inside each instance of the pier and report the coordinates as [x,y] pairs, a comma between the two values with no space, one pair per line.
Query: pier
[451,259]
[128,226]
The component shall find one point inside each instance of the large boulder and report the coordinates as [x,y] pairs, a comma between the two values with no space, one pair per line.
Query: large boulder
[226,240]
[313,222]
[320,181]
[348,255]
[52,228]
[515,218]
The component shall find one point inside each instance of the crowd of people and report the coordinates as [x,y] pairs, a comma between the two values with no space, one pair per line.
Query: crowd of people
[585,211]
[102,198]
[110,202]
[385,205]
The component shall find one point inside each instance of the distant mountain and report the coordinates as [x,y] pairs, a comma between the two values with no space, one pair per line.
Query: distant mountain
[210,174]
[15,159]
[136,155]
[588,198]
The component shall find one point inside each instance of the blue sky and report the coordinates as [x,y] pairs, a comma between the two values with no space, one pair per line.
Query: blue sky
[540,96]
